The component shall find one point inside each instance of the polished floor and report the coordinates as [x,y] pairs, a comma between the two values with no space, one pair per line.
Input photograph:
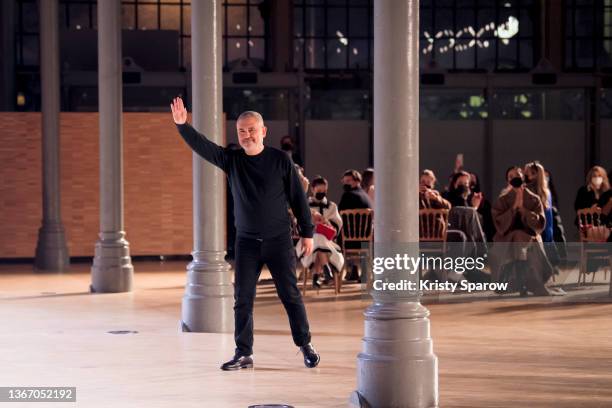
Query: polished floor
[493,352]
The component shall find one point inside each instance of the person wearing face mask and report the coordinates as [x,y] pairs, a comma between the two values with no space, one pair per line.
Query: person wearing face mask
[353,197]
[518,255]
[327,257]
[597,184]
[459,193]
[287,146]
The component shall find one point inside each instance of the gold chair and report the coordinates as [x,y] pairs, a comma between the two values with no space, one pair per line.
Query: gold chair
[592,230]
[357,228]
[433,225]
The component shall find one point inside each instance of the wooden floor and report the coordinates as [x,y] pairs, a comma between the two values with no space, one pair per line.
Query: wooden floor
[509,352]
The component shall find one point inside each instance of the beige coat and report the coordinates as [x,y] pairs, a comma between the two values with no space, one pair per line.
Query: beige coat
[519,240]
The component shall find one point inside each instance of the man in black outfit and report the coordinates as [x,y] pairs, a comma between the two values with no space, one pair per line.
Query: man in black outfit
[354,197]
[262,180]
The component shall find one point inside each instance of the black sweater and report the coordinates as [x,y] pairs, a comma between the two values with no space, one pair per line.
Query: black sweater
[261,185]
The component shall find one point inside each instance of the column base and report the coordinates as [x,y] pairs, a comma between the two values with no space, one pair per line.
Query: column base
[112,269]
[51,249]
[397,367]
[208,303]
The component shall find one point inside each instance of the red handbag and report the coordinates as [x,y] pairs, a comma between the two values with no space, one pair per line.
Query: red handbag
[326,230]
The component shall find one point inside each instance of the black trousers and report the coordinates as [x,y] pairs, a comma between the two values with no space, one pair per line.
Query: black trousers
[278,254]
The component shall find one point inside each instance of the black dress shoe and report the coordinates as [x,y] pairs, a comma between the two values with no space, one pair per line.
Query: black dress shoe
[311,357]
[237,363]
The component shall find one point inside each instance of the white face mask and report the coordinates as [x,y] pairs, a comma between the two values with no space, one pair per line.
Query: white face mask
[597,181]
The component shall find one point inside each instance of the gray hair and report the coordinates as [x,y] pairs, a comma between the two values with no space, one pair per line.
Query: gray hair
[251,114]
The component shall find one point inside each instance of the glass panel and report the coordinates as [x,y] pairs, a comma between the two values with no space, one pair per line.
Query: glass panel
[315,54]
[336,22]
[315,22]
[358,22]
[256,22]
[147,17]
[257,49]
[486,54]
[465,54]
[30,17]
[236,21]
[30,50]
[338,104]
[358,54]
[452,104]
[507,54]
[606,103]
[187,53]
[187,20]
[298,22]
[526,54]
[170,18]
[336,54]
[128,17]
[236,49]
[271,103]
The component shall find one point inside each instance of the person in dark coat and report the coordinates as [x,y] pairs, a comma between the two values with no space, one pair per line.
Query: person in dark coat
[354,197]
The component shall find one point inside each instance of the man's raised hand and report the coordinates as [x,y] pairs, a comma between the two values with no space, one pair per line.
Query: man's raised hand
[179,112]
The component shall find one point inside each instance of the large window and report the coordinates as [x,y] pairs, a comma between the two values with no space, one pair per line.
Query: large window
[455,34]
[588,34]
[244,24]
[478,34]
[332,34]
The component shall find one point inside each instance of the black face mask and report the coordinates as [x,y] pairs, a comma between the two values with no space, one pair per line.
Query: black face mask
[319,196]
[516,182]
[462,189]
[287,146]
[347,187]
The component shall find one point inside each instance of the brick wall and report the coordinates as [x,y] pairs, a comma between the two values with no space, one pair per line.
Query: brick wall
[157,184]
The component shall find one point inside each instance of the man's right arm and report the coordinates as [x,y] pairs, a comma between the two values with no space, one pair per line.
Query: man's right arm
[208,150]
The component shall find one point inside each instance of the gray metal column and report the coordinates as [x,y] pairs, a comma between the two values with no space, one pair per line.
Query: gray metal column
[397,367]
[112,269]
[208,300]
[51,249]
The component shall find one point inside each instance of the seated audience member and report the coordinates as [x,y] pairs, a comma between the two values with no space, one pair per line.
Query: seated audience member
[429,197]
[597,184]
[354,197]
[558,228]
[367,183]
[519,220]
[484,209]
[535,181]
[459,193]
[605,202]
[288,147]
[325,250]
[590,195]
[328,210]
